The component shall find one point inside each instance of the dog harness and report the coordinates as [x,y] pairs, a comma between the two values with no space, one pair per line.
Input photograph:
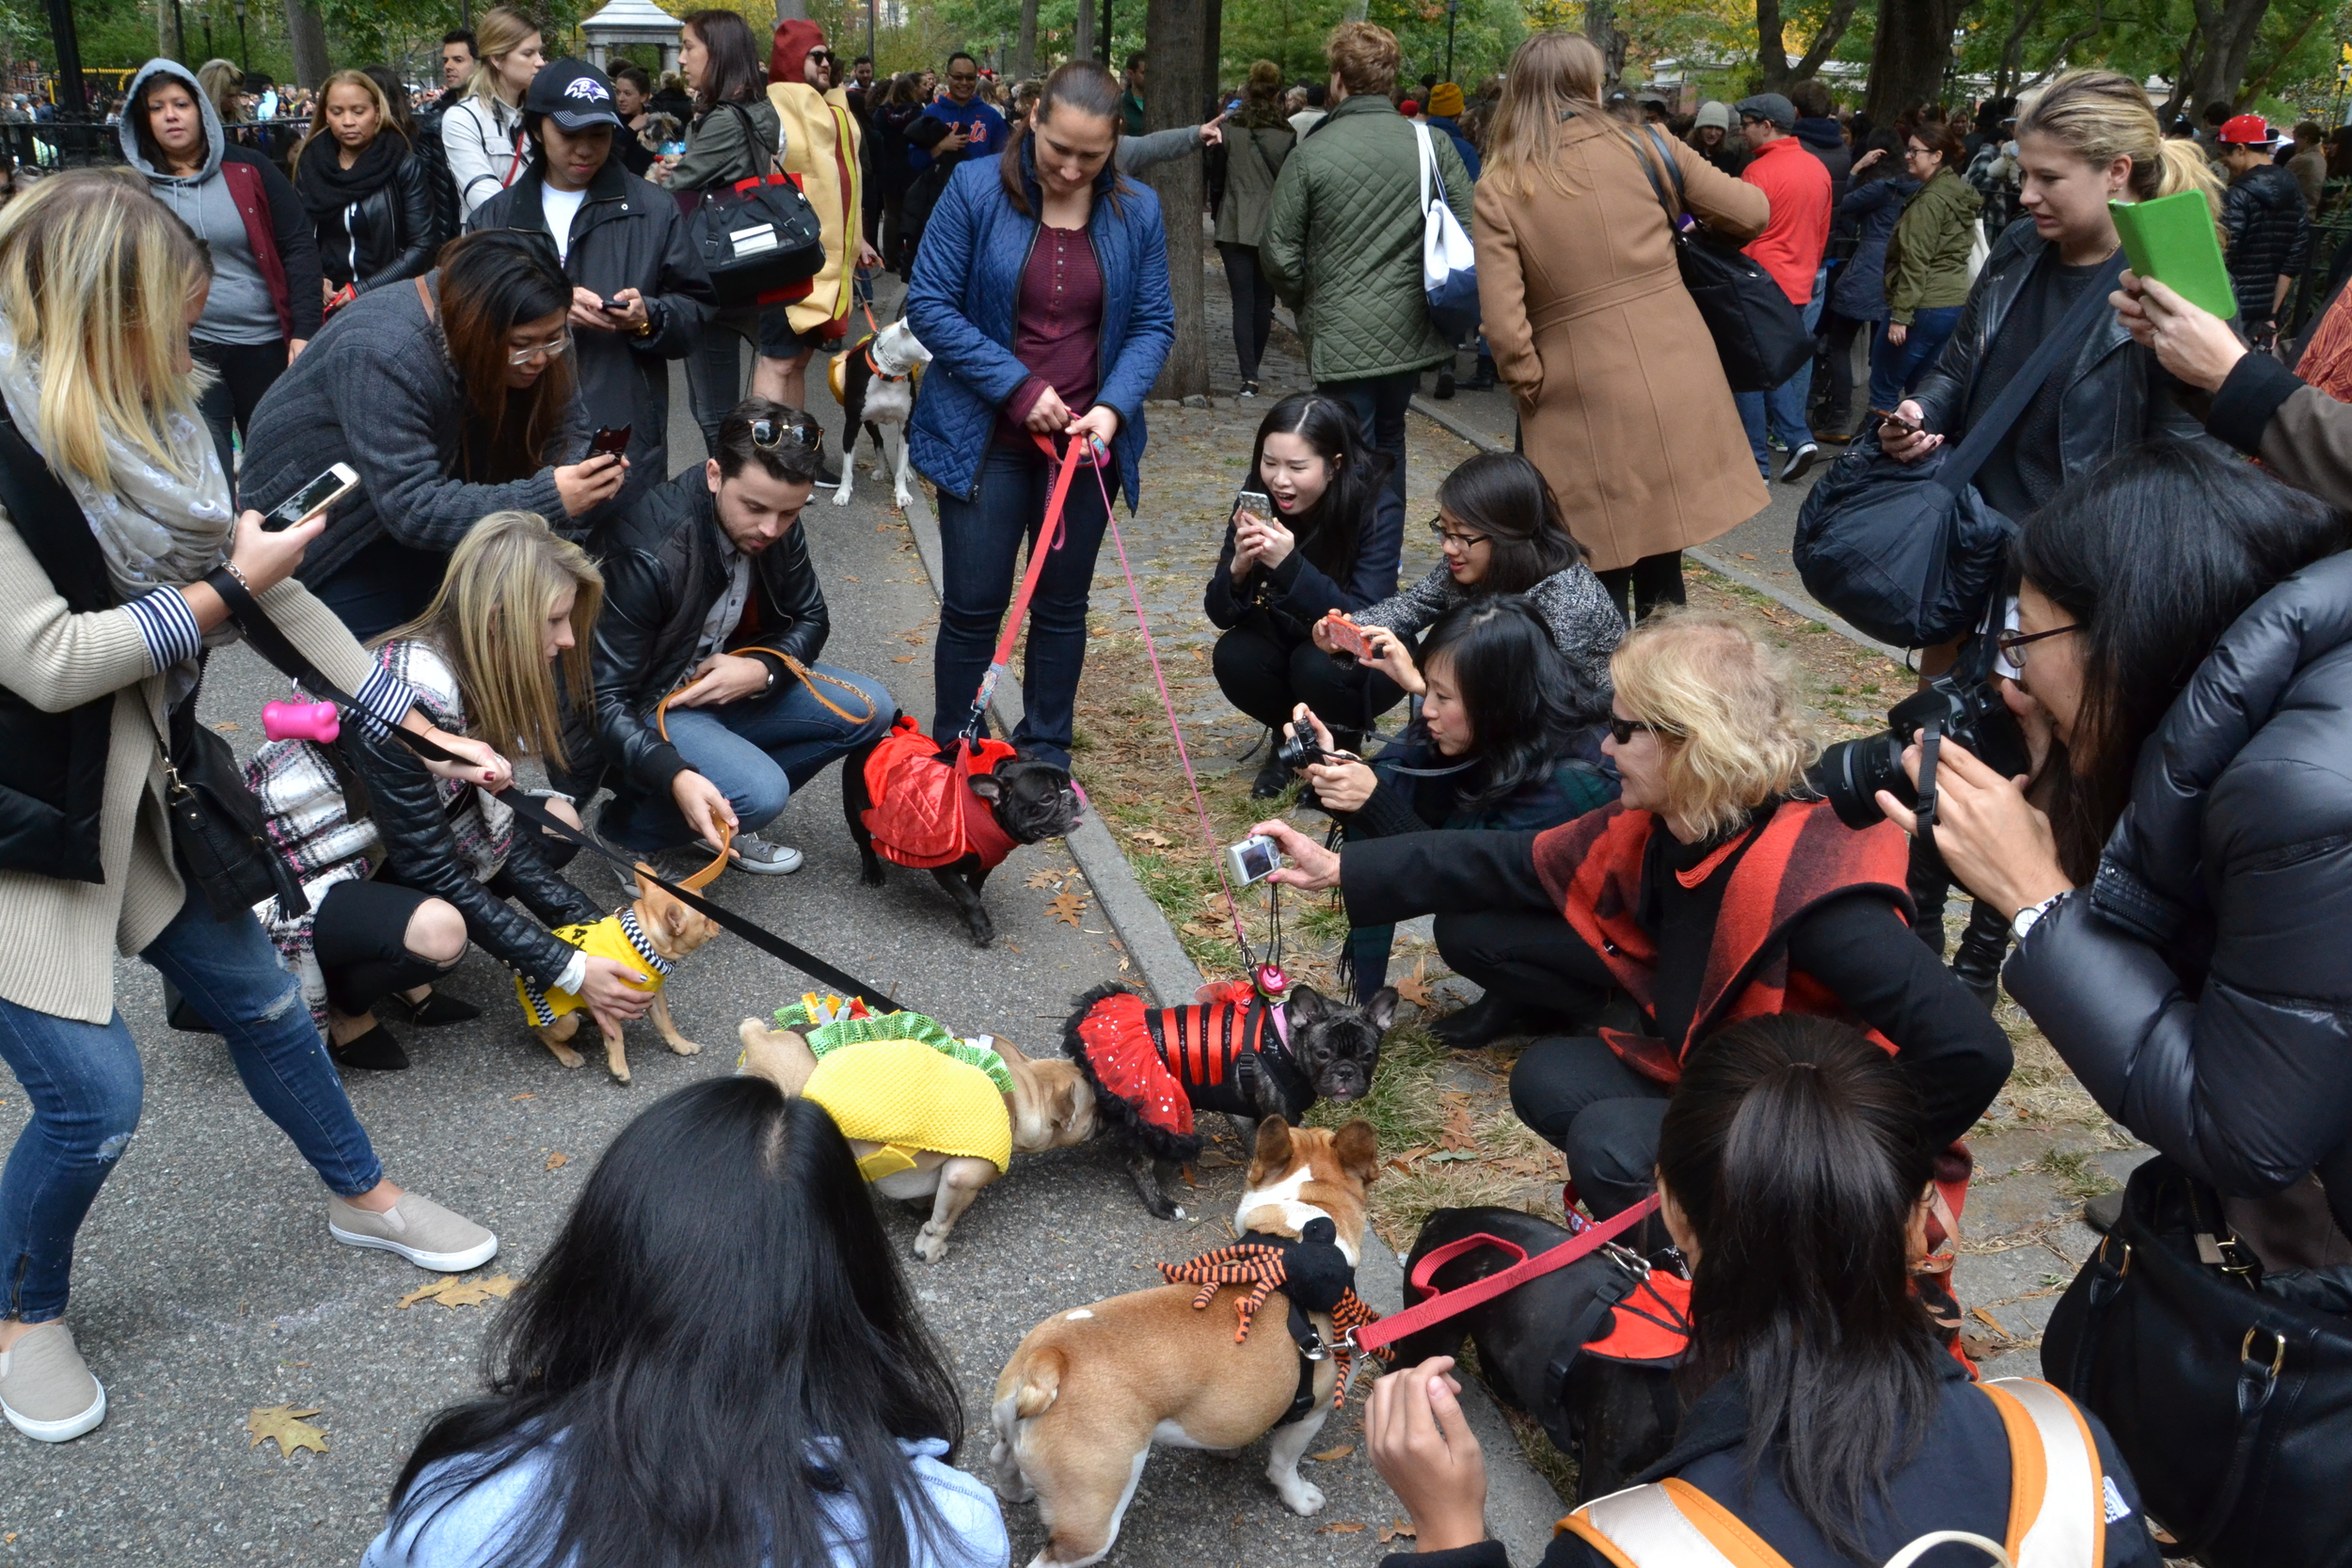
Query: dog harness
[1313,1276]
[616,936]
[1151,1068]
[2061,1502]
[903,1081]
[924,812]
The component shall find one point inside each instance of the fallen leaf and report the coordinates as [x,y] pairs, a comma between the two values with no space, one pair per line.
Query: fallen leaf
[557,1161]
[1746,556]
[1403,1527]
[451,1291]
[525,1094]
[1327,1455]
[1047,879]
[903,658]
[1146,835]
[1456,1135]
[1344,1526]
[284,1424]
[226,726]
[853,579]
[1414,987]
[1065,907]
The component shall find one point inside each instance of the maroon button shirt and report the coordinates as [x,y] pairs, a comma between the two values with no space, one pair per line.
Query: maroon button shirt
[1057,328]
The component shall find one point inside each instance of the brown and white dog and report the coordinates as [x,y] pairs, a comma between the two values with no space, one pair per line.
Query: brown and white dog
[652,934]
[1090,1391]
[875,383]
[1051,1106]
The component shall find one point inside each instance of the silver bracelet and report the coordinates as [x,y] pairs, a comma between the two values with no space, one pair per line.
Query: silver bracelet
[2024,918]
[230,567]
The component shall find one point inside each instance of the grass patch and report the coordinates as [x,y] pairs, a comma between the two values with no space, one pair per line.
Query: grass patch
[2077,1174]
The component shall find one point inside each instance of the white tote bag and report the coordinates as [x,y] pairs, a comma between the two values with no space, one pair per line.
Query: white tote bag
[1449,262]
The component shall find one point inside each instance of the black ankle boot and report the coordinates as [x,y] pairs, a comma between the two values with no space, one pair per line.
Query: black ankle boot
[1445,384]
[1273,778]
[1491,1018]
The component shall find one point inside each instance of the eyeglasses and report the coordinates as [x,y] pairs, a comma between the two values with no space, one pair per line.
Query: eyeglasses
[554,348]
[2013,643]
[1621,730]
[964,76]
[767,435]
[1446,536]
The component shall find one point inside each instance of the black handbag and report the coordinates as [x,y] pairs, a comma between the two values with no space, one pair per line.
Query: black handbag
[219,833]
[1909,552]
[1759,336]
[759,238]
[2229,1395]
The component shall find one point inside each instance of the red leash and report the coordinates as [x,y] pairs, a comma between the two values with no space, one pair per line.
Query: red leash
[1453,1303]
[1082,453]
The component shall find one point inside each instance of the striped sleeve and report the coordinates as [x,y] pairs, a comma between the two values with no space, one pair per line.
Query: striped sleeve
[167,626]
[384,700]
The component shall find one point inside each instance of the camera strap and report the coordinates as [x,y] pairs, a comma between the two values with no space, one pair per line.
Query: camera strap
[1989,432]
[1931,742]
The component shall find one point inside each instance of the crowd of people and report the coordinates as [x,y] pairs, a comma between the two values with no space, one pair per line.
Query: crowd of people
[1731,977]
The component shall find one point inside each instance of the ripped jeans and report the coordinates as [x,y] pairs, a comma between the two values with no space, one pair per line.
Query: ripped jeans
[84,1083]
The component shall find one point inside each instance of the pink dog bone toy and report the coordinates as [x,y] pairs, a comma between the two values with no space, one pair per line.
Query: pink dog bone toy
[317,722]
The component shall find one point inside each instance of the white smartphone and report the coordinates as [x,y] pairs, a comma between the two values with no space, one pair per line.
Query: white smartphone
[1252,859]
[314,498]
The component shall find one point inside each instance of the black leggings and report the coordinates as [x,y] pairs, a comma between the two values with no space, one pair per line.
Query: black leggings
[243,371]
[1253,305]
[1264,669]
[361,938]
[1837,399]
[1602,1114]
[1638,588]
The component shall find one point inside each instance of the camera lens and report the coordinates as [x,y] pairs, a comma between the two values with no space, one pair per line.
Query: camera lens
[1850,774]
[1298,745]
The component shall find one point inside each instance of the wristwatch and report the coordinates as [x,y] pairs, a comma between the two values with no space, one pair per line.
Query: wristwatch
[2026,918]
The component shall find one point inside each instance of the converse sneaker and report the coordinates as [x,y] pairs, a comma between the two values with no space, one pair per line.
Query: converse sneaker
[416,1228]
[757,856]
[45,1390]
[1798,461]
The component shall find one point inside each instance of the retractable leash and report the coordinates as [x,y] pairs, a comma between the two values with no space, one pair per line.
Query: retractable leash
[272,644]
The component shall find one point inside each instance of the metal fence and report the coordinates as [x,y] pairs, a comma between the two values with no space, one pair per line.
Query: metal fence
[62,144]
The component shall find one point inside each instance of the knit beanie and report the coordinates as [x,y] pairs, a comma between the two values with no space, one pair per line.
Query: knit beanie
[1714,114]
[1445,99]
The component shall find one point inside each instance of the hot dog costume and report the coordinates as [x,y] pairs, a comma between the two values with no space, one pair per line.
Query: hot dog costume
[1151,1068]
[901,1080]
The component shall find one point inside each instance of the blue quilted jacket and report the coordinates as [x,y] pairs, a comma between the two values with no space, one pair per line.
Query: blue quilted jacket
[961,302]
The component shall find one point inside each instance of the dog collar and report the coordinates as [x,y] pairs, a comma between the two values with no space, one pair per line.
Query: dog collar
[871,364]
[638,942]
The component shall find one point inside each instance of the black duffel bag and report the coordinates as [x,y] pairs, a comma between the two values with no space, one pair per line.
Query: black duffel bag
[1759,336]
[759,238]
[1909,552]
[2230,1396]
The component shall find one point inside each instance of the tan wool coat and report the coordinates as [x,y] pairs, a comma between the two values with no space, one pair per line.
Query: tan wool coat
[1621,397]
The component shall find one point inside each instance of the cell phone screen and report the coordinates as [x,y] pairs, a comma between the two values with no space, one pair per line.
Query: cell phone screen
[312,497]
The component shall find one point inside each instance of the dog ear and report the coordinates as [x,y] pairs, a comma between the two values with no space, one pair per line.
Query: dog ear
[782,1057]
[988,787]
[1358,1148]
[1381,1010]
[1273,1152]
[1307,1006]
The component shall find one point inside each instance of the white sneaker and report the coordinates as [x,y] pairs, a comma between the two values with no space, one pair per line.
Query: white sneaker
[1798,461]
[757,856]
[46,1390]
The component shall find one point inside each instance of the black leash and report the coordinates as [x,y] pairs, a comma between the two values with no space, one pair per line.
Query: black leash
[272,644]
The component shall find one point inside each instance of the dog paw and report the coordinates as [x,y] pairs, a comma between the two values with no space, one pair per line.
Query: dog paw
[568,1057]
[685,1048]
[1302,1498]
[841,496]
[929,1249]
[621,1077]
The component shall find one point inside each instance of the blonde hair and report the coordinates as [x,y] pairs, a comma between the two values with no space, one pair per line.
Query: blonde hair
[385,119]
[502,31]
[1553,75]
[1364,57]
[504,581]
[224,84]
[1725,707]
[2100,116]
[96,276]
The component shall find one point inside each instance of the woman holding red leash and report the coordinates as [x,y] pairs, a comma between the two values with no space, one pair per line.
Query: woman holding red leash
[1042,290]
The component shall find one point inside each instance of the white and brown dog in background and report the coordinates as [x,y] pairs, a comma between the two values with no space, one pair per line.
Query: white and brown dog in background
[875,383]
[1090,1391]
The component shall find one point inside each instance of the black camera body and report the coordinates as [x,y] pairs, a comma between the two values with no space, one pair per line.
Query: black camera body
[1298,745]
[1965,709]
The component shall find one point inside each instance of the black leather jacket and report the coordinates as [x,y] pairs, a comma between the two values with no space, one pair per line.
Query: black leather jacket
[2202,989]
[664,566]
[405,806]
[386,236]
[2116,395]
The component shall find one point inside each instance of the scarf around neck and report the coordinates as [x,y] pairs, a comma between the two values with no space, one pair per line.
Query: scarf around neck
[325,187]
[155,528]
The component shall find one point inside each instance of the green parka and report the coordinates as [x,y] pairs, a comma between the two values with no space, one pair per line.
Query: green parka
[1927,260]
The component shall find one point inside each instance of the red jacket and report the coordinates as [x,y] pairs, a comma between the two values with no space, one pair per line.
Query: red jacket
[1792,245]
[924,812]
[1804,857]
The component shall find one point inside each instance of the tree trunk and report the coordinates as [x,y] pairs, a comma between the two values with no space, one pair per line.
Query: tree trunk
[1082,33]
[1025,63]
[2226,36]
[1600,25]
[1909,55]
[1772,47]
[1172,31]
[306,34]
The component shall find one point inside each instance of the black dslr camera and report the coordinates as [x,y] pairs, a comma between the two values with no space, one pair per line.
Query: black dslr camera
[1298,745]
[1965,709]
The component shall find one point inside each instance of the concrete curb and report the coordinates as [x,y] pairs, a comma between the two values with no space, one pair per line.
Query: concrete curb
[1521,1507]
[1709,558]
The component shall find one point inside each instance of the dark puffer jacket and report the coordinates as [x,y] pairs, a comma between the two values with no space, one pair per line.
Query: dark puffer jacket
[2270,236]
[2202,989]
[1870,210]
[664,567]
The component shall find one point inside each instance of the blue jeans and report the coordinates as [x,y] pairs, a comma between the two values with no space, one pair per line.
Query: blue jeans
[1380,402]
[980,544]
[758,751]
[1783,409]
[1897,367]
[84,1083]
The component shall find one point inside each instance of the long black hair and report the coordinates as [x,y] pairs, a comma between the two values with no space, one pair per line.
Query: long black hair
[1795,1149]
[2153,555]
[1523,706]
[1330,530]
[724,1345]
[1503,497]
[737,72]
[492,281]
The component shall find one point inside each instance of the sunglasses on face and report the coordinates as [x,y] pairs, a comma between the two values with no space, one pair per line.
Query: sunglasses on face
[767,435]
[1623,730]
[964,76]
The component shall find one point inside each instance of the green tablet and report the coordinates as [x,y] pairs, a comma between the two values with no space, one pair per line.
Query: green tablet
[2173,240]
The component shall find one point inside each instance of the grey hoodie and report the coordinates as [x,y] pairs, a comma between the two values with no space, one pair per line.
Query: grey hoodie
[239,309]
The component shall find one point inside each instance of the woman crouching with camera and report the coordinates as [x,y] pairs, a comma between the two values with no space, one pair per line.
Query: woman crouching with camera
[402,870]
[1501,739]
[1712,890]
[118,523]
[2181,915]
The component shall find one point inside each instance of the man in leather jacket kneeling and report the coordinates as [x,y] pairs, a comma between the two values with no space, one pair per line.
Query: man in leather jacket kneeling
[711,708]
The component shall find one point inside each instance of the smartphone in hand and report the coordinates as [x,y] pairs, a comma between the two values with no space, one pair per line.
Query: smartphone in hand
[617,307]
[611,440]
[1255,502]
[314,498]
[1888,416]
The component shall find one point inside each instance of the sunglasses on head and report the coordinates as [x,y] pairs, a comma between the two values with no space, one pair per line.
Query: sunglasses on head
[767,435]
